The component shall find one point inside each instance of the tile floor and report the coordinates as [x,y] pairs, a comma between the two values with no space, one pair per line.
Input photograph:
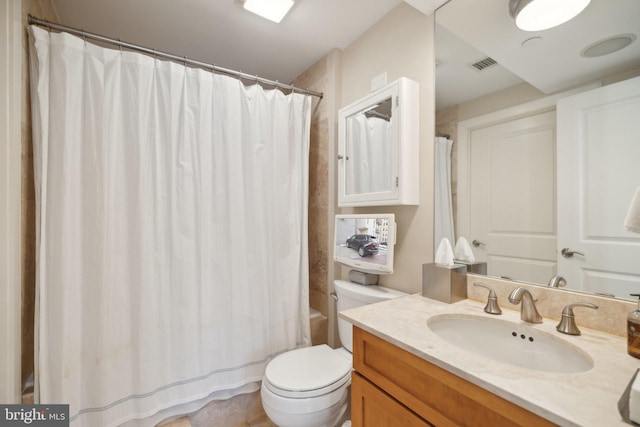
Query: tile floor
[241,411]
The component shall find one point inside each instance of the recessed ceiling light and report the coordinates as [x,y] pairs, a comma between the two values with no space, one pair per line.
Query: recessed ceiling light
[538,15]
[608,45]
[273,10]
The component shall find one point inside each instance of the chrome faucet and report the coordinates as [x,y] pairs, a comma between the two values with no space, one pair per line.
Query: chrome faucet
[529,312]
[567,323]
[557,281]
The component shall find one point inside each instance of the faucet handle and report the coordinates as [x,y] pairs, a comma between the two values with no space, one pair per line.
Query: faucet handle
[567,323]
[492,306]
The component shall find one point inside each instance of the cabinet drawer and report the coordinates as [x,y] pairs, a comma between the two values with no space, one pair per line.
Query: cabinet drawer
[372,407]
[431,392]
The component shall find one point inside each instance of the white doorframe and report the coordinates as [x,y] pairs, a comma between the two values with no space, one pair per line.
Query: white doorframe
[466,127]
[10,199]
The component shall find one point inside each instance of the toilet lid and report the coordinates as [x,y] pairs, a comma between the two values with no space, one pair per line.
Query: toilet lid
[308,368]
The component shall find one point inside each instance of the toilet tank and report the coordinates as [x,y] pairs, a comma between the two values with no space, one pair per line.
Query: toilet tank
[351,295]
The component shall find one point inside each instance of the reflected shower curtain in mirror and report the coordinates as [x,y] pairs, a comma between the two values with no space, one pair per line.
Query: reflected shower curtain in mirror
[369,153]
[443,205]
[171,231]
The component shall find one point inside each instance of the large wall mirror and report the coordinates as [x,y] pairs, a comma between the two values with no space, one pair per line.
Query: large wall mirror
[542,174]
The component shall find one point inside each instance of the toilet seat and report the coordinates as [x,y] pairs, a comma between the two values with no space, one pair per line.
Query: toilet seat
[308,372]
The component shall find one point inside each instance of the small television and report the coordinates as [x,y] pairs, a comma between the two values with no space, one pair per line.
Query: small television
[365,242]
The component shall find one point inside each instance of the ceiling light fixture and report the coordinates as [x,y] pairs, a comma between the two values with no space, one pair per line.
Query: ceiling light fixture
[273,10]
[537,15]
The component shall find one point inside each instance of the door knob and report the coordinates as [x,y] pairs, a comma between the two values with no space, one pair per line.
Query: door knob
[477,243]
[568,253]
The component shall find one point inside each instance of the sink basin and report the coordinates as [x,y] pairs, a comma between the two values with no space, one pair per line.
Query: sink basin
[509,342]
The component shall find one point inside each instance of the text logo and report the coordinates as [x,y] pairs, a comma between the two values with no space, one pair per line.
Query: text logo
[34,415]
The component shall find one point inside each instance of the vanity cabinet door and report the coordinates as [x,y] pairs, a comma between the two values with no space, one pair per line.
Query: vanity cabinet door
[372,407]
[430,392]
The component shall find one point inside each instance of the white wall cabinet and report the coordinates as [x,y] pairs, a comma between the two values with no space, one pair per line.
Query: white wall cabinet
[378,148]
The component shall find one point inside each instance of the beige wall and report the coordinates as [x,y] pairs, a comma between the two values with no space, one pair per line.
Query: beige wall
[400,44]
[519,94]
[42,9]
[512,96]
[446,119]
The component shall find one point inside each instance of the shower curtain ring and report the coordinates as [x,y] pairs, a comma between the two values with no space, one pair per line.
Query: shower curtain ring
[185,61]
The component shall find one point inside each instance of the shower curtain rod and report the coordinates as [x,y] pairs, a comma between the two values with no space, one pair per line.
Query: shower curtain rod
[182,59]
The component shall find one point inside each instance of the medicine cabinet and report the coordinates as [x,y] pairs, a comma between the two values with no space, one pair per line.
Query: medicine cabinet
[378,147]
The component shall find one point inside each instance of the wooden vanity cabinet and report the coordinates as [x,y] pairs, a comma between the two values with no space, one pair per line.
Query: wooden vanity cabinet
[392,387]
[372,407]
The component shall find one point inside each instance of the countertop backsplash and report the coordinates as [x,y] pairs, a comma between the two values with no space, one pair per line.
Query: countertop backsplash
[610,317]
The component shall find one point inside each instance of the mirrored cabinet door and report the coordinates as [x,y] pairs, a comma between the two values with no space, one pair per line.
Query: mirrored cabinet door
[378,147]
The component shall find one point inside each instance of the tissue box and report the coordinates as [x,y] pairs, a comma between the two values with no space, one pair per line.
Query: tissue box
[443,283]
[476,267]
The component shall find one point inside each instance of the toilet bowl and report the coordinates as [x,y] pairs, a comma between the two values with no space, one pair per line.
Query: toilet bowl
[309,387]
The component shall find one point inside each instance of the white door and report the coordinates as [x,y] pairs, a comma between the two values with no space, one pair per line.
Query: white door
[512,197]
[598,173]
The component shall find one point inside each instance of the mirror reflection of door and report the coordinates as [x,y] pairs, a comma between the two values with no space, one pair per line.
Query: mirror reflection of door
[599,156]
[512,197]
[368,150]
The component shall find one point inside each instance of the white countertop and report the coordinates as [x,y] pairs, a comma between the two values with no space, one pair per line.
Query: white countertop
[569,399]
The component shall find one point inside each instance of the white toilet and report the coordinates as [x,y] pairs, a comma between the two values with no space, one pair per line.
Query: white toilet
[309,387]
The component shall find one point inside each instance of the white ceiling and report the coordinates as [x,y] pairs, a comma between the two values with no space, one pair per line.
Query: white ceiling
[456,81]
[477,29]
[222,33]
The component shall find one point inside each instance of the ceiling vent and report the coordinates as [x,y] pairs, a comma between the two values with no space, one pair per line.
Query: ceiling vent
[483,64]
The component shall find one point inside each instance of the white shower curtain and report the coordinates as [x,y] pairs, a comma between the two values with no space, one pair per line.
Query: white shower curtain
[443,205]
[171,231]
